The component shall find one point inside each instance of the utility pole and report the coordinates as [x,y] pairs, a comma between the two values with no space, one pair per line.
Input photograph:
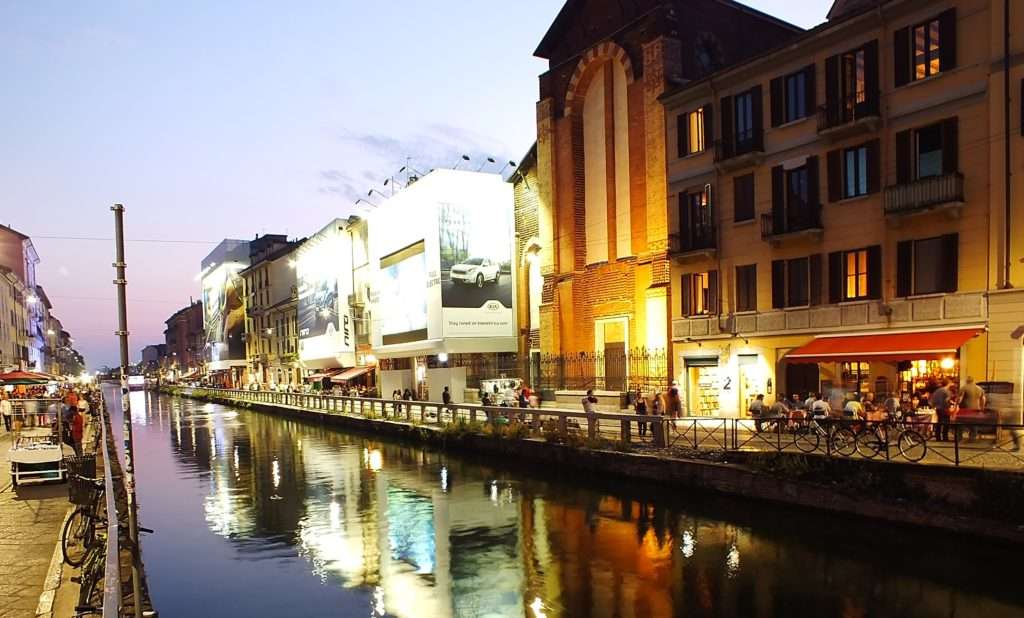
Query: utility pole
[129,446]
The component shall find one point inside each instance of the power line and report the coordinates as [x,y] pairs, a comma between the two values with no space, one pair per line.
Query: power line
[142,240]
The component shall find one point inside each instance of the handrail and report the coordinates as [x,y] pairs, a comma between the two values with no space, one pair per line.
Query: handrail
[112,565]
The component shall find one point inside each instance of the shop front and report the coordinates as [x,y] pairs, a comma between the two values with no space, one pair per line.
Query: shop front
[874,365]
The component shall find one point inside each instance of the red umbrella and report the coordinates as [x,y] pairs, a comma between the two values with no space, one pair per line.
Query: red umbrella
[23,377]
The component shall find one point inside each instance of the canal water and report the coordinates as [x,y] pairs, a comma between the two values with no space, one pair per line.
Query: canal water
[257,515]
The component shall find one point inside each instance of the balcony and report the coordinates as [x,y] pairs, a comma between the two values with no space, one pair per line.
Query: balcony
[780,226]
[694,242]
[944,192]
[745,150]
[848,116]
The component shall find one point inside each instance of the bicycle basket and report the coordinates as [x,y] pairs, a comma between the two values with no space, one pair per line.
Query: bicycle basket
[80,492]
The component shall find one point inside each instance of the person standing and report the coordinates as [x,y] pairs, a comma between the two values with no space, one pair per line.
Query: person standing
[6,410]
[589,402]
[77,431]
[640,407]
[674,404]
[972,401]
[940,400]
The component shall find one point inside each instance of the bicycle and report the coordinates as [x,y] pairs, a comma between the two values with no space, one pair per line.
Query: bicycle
[92,579]
[874,440]
[808,434]
[79,531]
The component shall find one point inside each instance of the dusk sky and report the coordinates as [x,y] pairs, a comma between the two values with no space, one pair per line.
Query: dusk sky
[228,119]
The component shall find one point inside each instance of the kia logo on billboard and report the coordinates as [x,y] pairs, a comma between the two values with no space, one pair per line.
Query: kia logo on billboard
[493,305]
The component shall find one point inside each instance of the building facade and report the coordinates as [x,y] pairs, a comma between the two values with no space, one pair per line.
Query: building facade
[270,326]
[184,338]
[603,228]
[19,256]
[835,223]
[13,322]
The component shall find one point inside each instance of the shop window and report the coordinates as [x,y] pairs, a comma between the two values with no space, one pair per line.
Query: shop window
[927,266]
[743,193]
[925,49]
[856,376]
[796,282]
[700,293]
[746,288]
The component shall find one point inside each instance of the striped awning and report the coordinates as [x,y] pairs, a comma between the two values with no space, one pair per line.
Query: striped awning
[350,374]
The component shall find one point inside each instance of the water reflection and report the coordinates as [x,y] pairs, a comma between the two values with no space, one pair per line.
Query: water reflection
[405,532]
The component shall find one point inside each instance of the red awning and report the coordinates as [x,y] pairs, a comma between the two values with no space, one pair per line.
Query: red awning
[350,374]
[915,345]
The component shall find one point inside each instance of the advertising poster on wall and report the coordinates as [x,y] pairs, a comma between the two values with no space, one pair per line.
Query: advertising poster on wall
[323,274]
[224,315]
[476,269]
[402,295]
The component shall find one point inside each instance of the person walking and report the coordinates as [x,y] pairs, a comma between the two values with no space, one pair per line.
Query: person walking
[674,404]
[941,400]
[77,431]
[971,401]
[6,410]
[640,407]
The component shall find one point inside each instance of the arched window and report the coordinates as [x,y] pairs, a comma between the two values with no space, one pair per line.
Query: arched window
[606,162]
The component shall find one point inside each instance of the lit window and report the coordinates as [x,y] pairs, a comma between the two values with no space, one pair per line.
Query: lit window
[926,49]
[695,122]
[856,268]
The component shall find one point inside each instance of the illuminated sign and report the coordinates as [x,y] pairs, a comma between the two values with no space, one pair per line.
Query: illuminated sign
[323,270]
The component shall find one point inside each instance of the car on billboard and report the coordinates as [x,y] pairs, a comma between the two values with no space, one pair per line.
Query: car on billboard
[475,271]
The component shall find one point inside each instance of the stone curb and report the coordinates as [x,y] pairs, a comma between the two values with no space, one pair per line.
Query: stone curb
[53,577]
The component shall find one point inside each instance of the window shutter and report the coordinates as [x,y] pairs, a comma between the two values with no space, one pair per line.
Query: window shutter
[713,292]
[833,162]
[832,85]
[874,170]
[875,272]
[687,294]
[778,106]
[814,294]
[870,105]
[835,277]
[778,284]
[901,54]
[778,199]
[947,40]
[950,146]
[728,113]
[904,158]
[682,135]
[813,184]
[757,109]
[904,267]
[709,127]
[810,91]
[950,262]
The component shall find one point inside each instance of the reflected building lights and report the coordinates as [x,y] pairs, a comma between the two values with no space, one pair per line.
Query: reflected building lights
[689,544]
[275,473]
[444,479]
[732,561]
[538,608]
[375,460]
[494,492]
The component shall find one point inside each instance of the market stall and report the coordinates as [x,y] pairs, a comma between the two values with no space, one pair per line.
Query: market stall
[37,449]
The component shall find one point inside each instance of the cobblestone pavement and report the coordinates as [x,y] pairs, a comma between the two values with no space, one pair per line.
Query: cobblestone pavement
[30,522]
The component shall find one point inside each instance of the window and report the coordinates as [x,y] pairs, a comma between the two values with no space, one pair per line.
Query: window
[927,266]
[855,170]
[856,265]
[926,49]
[796,282]
[796,97]
[700,293]
[854,68]
[796,189]
[746,288]
[744,118]
[694,127]
[928,151]
[743,192]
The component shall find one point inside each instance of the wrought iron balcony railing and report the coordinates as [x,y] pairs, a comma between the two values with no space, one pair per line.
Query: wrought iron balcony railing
[924,194]
[846,110]
[807,219]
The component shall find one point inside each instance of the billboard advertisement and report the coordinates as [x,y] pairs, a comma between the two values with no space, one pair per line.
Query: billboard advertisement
[323,270]
[223,304]
[402,295]
[475,244]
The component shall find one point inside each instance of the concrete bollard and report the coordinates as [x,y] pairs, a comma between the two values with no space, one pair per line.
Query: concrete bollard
[658,432]
[625,431]
[591,427]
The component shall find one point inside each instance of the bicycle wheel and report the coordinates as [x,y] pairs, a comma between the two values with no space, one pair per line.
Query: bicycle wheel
[76,537]
[912,445]
[806,439]
[869,443]
[844,442]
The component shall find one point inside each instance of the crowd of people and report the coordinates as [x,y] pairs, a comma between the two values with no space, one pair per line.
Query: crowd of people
[39,406]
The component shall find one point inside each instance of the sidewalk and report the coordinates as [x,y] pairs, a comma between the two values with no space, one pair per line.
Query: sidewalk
[30,524]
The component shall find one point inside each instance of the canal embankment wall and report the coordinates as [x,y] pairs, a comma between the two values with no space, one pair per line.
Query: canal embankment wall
[972,502]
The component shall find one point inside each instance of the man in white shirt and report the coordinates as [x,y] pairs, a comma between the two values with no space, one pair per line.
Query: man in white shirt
[6,410]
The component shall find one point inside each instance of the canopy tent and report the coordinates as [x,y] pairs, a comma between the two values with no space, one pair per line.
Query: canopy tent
[899,346]
[25,377]
[350,374]
[326,373]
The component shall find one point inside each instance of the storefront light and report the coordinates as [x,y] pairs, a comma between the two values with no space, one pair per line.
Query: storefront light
[947,363]
[442,357]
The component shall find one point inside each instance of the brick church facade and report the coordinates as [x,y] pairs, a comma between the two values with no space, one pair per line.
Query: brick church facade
[602,221]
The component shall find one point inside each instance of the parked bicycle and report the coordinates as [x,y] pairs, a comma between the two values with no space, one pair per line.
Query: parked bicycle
[79,532]
[809,433]
[875,440]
